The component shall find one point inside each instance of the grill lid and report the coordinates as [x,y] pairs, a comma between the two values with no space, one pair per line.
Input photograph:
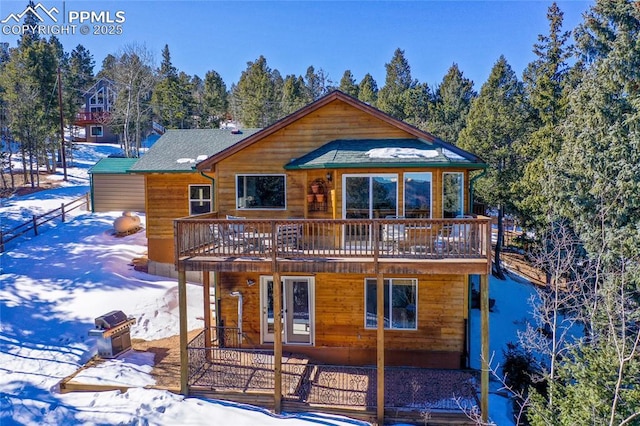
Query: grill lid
[110,320]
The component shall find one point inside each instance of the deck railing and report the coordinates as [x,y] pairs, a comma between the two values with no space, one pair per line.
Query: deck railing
[349,238]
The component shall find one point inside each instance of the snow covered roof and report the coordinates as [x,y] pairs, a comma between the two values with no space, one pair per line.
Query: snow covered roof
[356,153]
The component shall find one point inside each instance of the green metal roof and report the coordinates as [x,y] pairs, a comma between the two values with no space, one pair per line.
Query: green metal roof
[361,153]
[113,166]
[180,150]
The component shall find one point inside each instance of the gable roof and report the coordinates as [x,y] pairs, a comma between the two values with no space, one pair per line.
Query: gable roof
[115,166]
[180,150]
[356,153]
[314,106]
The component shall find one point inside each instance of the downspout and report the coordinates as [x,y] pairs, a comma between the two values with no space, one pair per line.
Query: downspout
[213,181]
[93,204]
[216,286]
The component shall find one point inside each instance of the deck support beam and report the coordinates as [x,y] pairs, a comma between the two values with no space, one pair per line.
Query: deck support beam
[277,343]
[206,297]
[484,344]
[184,355]
[380,348]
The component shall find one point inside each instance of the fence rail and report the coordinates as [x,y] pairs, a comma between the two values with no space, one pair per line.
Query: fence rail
[38,220]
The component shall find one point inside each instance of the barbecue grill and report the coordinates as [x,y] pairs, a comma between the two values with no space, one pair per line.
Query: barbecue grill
[113,331]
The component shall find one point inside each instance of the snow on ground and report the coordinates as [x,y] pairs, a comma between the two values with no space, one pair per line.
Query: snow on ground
[52,287]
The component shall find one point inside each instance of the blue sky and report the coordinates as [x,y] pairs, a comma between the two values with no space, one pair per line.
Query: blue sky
[357,35]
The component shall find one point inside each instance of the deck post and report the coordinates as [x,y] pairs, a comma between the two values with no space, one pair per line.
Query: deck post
[484,325]
[277,343]
[380,348]
[206,297]
[184,355]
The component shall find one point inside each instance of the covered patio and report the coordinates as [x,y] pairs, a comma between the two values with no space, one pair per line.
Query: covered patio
[249,375]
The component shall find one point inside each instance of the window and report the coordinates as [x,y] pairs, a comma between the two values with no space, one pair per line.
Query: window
[260,191]
[199,199]
[400,303]
[370,196]
[452,194]
[96,131]
[417,195]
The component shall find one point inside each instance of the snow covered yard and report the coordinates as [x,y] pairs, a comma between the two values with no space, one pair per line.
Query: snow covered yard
[53,286]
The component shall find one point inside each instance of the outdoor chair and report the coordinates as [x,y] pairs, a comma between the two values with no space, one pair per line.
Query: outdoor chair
[454,239]
[289,237]
[394,235]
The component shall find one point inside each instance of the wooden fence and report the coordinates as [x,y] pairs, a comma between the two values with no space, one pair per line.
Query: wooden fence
[39,220]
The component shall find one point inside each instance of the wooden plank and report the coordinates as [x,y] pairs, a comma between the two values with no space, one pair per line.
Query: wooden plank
[182,310]
[277,345]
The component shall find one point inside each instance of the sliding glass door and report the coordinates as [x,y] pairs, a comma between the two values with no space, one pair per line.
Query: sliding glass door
[368,196]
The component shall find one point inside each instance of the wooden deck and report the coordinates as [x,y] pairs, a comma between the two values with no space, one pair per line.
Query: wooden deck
[395,246]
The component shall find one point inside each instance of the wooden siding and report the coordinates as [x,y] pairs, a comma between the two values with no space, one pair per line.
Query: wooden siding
[118,193]
[167,198]
[336,120]
[339,312]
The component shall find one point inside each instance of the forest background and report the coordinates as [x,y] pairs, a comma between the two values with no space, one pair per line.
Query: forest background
[562,141]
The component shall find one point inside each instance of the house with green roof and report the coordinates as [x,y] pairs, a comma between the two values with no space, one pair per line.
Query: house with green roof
[338,247]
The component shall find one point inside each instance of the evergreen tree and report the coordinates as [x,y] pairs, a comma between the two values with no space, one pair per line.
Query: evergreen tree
[318,83]
[348,84]
[171,98]
[596,186]
[215,99]
[293,94]
[392,98]
[496,127]
[368,90]
[545,81]
[452,102]
[418,105]
[255,94]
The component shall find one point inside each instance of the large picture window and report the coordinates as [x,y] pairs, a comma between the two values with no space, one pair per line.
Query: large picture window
[452,194]
[199,199]
[400,303]
[417,195]
[261,192]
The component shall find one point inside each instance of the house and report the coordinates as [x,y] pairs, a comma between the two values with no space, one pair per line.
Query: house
[349,210]
[95,117]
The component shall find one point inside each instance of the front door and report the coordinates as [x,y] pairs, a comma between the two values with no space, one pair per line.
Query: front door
[297,315]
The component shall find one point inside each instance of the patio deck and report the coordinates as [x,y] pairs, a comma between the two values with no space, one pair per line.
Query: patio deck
[247,375]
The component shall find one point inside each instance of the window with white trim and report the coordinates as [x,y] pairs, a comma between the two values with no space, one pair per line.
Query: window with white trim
[267,192]
[417,195]
[199,199]
[400,303]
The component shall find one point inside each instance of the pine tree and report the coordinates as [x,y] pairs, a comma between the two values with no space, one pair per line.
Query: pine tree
[294,94]
[214,99]
[171,98]
[348,84]
[496,127]
[452,102]
[546,81]
[392,98]
[255,95]
[368,90]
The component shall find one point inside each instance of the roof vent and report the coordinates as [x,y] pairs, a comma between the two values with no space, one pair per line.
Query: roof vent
[236,132]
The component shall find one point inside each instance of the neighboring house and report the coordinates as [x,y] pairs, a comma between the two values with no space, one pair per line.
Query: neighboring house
[95,116]
[114,187]
[348,209]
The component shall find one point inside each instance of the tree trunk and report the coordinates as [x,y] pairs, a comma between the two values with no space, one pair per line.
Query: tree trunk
[497,264]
